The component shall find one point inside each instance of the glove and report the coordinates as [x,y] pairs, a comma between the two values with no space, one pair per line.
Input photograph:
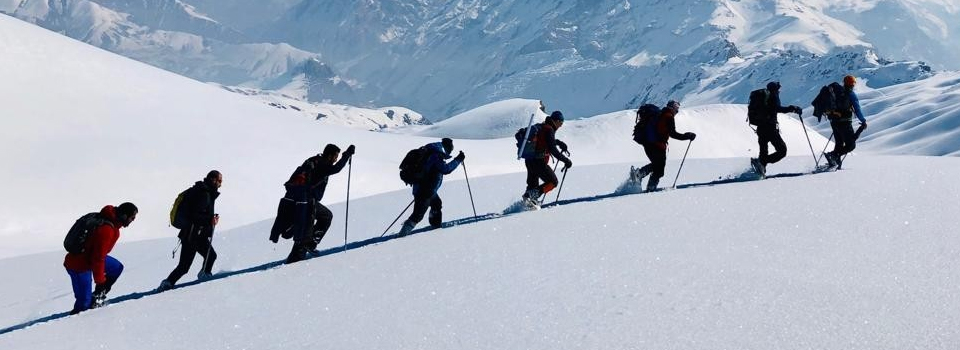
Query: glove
[567,164]
[690,136]
[563,148]
[349,152]
[797,110]
[460,157]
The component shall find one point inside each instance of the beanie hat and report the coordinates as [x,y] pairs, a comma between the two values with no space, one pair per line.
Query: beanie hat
[447,145]
[674,105]
[773,86]
[556,115]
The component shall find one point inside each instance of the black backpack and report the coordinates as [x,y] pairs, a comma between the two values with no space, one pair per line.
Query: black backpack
[530,143]
[76,239]
[645,129]
[412,167]
[757,108]
[832,100]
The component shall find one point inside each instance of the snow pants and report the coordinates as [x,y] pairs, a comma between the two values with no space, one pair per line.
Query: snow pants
[82,282]
[845,140]
[194,243]
[657,166]
[422,201]
[309,240]
[539,169]
[770,134]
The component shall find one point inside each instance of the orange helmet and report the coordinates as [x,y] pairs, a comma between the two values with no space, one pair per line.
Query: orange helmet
[849,81]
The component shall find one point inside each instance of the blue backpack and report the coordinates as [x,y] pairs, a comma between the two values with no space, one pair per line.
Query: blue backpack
[645,130]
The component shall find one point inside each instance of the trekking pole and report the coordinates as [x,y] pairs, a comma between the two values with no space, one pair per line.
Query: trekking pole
[468,189]
[681,163]
[395,220]
[209,247]
[825,148]
[555,164]
[562,180]
[804,126]
[346,221]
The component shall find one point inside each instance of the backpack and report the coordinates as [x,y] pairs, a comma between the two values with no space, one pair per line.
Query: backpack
[645,129]
[529,145]
[757,108]
[412,166]
[177,218]
[832,100]
[76,240]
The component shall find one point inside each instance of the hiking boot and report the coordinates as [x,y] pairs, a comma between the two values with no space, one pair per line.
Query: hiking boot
[832,160]
[637,174]
[203,275]
[758,166]
[164,286]
[99,300]
[407,228]
[435,218]
[652,184]
[533,193]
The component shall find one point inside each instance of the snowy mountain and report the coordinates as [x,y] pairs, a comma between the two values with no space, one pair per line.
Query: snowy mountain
[443,58]
[722,261]
[592,57]
[173,35]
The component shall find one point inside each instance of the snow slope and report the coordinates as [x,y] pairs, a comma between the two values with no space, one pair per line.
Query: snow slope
[148,134]
[91,128]
[920,118]
[752,265]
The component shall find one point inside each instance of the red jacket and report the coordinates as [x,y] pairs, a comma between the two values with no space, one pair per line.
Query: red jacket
[98,245]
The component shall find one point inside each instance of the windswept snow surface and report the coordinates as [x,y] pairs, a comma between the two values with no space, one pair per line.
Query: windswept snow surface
[91,128]
[920,118]
[857,259]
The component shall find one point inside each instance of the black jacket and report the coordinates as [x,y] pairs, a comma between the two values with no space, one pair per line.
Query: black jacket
[773,107]
[198,206]
[319,174]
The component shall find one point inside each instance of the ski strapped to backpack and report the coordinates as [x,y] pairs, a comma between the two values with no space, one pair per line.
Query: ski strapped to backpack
[645,129]
[412,167]
[76,240]
[527,141]
[757,107]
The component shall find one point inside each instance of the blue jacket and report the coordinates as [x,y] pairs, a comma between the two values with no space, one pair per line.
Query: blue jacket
[855,101]
[435,168]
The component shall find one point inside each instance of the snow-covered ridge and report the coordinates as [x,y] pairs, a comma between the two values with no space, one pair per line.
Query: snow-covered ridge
[379,119]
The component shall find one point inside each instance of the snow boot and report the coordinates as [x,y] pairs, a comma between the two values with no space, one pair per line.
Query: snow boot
[407,228]
[637,174]
[832,160]
[531,198]
[203,275]
[99,299]
[164,286]
[435,218]
[758,167]
[652,184]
